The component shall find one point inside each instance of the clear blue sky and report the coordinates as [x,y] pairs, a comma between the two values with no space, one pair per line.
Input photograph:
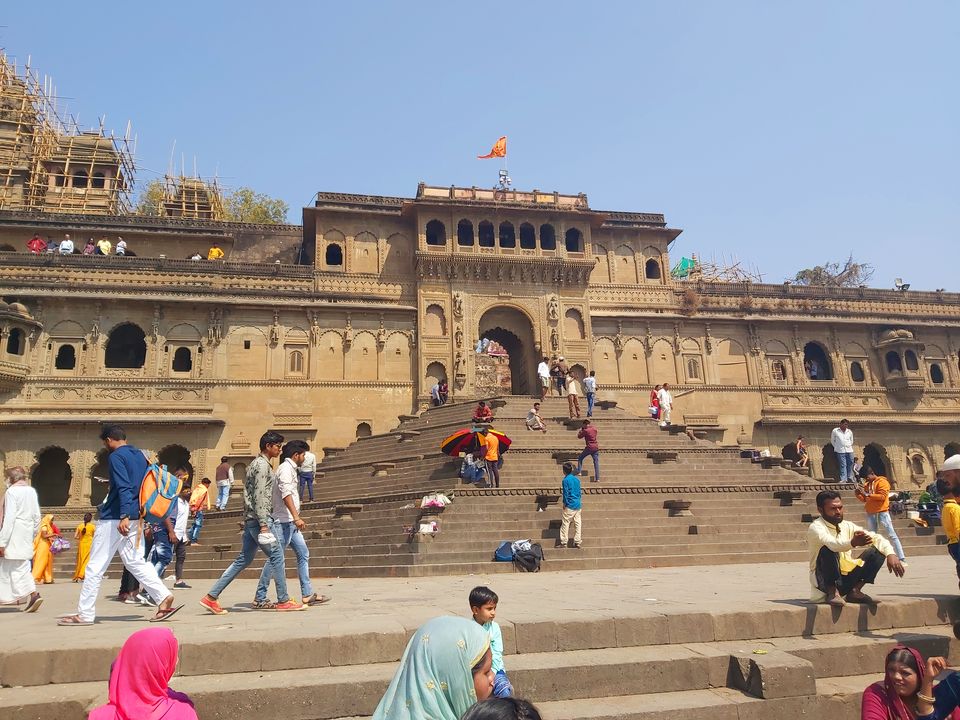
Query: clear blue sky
[785,134]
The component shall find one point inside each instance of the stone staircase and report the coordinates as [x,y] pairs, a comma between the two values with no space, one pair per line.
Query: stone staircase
[365,495]
[791,662]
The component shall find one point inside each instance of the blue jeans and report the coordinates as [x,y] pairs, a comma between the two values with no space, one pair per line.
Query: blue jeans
[846,467]
[194,533]
[596,463]
[223,495]
[274,553]
[289,537]
[306,481]
[162,552]
[887,523]
[591,399]
[502,688]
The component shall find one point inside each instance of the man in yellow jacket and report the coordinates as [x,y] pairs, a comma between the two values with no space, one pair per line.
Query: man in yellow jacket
[215,253]
[875,496]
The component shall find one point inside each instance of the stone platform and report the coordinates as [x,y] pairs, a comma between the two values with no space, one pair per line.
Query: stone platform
[736,642]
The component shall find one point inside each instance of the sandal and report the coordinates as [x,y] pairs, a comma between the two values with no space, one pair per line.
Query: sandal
[316,600]
[73,620]
[164,615]
[264,605]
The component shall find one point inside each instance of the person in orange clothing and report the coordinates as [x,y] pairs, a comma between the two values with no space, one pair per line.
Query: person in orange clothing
[875,495]
[492,456]
[199,504]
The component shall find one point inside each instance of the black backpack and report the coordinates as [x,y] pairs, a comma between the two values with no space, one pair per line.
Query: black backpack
[529,560]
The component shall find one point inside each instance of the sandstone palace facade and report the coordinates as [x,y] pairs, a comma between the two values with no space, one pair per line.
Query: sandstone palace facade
[333,330]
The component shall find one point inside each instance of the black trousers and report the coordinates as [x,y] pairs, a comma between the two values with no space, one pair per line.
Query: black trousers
[180,550]
[828,570]
[128,583]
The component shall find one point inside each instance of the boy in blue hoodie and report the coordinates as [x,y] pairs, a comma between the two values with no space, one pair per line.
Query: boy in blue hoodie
[483,605]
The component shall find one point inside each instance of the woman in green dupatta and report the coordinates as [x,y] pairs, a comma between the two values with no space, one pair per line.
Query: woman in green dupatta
[445,669]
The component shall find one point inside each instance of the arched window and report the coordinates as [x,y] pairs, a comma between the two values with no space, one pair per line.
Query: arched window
[333,256]
[66,358]
[508,238]
[893,362]
[182,360]
[465,233]
[51,476]
[816,363]
[916,465]
[15,342]
[59,179]
[80,179]
[548,237]
[485,236]
[364,430]
[296,362]
[126,347]
[436,233]
[652,269]
[936,374]
[911,357]
[778,371]
[573,239]
[693,369]
[856,371]
[98,181]
[528,237]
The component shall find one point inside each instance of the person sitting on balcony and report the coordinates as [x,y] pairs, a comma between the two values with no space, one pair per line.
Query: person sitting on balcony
[36,244]
[121,248]
[90,248]
[52,246]
[482,414]
[215,253]
[104,247]
[66,246]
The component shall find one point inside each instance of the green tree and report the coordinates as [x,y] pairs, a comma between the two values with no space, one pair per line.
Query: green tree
[245,205]
[149,199]
[848,274]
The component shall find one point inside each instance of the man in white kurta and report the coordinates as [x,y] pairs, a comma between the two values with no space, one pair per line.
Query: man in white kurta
[21,521]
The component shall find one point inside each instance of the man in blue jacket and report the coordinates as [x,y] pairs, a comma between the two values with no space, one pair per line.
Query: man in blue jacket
[571,506]
[118,530]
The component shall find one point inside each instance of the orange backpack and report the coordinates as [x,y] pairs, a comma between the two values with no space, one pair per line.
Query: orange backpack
[158,493]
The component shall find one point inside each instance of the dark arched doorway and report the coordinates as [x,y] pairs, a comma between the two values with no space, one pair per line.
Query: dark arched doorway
[51,476]
[816,364]
[951,449]
[176,457]
[829,466]
[875,456]
[101,469]
[512,331]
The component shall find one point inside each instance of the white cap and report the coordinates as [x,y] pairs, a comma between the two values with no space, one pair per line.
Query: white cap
[952,463]
[560,358]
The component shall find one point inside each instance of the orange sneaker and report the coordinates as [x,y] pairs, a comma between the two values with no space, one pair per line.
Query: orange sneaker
[289,606]
[212,605]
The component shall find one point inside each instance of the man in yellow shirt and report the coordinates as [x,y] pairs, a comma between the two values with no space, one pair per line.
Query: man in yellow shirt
[199,503]
[875,496]
[215,253]
[947,486]
[834,572]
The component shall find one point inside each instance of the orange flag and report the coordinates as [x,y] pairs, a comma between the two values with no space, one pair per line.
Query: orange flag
[499,149]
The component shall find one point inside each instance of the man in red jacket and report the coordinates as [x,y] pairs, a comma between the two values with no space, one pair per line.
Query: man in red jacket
[588,433]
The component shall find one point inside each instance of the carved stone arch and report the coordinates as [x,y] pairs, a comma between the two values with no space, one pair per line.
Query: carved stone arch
[600,275]
[776,347]
[397,358]
[435,320]
[633,363]
[330,355]
[605,360]
[332,253]
[573,325]
[435,372]
[364,255]
[67,329]
[511,325]
[690,344]
[730,363]
[51,475]
[183,332]
[247,349]
[662,366]
[295,333]
[625,265]
[126,346]
[398,255]
[361,361]
[855,349]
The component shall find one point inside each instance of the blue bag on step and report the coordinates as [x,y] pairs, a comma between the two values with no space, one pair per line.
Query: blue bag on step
[504,552]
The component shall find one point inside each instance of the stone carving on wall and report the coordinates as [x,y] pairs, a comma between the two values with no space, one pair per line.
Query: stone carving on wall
[381,335]
[95,328]
[554,340]
[553,308]
[458,336]
[348,334]
[314,329]
[215,326]
[460,370]
[458,305]
[707,339]
[155,325]
[119,393]
[647,338]
[676,338]
[755,340]
[618,340]
[275,328]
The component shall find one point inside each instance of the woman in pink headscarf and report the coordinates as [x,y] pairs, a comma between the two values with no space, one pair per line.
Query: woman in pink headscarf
[907,691]
[139,681]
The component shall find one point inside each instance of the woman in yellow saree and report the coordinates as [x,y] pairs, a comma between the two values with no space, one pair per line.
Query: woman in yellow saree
[42,557]
[84,536]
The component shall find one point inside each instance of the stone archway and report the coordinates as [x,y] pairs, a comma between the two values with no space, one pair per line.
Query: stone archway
[176,457]
[512,329]
[875,456]
[100,469]
[51,476]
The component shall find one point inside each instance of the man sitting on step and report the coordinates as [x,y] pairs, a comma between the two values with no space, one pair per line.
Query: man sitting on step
[482,414]
[834,572]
